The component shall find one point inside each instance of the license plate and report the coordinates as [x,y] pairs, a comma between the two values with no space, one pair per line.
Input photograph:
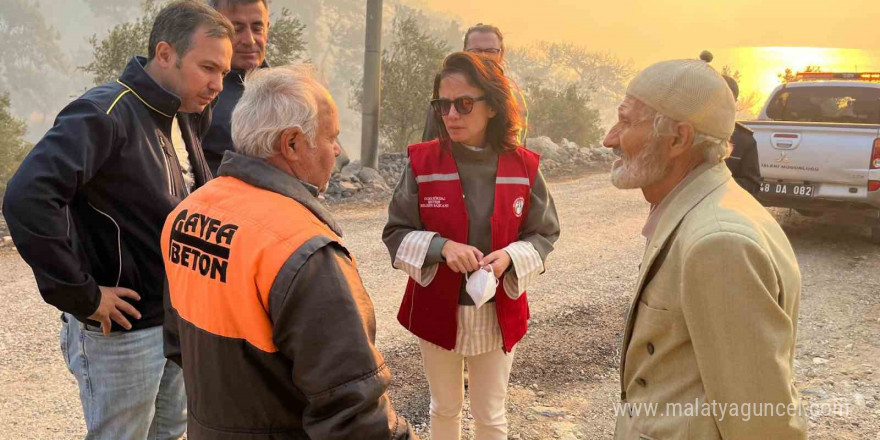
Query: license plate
[787,189]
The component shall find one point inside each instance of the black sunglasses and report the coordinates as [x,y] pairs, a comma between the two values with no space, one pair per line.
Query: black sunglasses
[463,105]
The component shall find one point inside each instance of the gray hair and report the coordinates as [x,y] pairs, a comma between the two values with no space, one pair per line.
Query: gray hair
[217,4]
[176,23]
[276,99]
[714,149]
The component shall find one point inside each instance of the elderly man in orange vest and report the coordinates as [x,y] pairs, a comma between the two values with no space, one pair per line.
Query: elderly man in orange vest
[265,310]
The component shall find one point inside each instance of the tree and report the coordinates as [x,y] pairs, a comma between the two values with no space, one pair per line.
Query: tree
[286,43]
[790,76]
[562,112]
[118,10]
[12,147]
[747,104]
[408,69]
[601,75]
[113,52]
[122,42]
[31,57]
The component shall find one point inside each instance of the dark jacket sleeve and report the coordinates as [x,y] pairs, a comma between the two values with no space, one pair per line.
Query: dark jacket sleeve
[541,227]
[37,199]
[750,167]
[404,217]
[743,161]
[323,322]
[170,329]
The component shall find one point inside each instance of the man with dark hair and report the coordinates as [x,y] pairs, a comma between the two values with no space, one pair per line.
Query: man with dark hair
[488,41]
[251,21]
[86,209]
[743,161]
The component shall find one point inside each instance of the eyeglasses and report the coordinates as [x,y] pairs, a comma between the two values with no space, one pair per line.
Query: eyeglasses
[463,105]
[488,50]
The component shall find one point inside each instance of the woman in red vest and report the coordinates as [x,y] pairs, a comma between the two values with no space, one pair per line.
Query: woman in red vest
[472,200]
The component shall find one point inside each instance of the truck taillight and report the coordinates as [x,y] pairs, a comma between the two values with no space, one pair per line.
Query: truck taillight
[875,155]
[873,185]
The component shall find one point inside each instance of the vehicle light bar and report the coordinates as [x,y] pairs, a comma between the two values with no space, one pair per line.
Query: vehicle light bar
[850,76]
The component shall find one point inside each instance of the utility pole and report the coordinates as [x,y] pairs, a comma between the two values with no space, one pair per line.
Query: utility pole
[372,77]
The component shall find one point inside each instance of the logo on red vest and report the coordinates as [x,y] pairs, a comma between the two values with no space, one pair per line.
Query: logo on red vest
[518,205]
[434,202]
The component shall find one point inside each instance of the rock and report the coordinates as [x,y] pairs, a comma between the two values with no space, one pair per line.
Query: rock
[341,161]
[859,399]
[819,361]
[543,146]
[548,411]
[350,171]
[369,175]
[814,391]
[348,186]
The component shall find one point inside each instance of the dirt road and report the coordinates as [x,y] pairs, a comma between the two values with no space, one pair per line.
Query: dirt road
[564,381]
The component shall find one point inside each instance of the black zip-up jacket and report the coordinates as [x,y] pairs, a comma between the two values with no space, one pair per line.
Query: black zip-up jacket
[218,139]
[87,205]
[743,160]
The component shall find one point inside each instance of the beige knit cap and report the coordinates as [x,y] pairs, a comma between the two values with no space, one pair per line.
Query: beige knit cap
[687,91]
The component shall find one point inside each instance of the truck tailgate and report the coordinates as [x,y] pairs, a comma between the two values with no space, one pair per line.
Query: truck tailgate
[815,152]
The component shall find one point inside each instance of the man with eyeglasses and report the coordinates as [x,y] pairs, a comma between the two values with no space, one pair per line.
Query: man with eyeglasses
[488,41]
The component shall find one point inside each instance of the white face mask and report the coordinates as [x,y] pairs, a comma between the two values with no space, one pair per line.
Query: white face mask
[481,285]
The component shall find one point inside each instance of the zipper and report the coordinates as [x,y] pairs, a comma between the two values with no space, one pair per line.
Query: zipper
[167,167]
[118,241]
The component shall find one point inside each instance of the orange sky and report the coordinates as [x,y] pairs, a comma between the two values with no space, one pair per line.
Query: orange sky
[647,31]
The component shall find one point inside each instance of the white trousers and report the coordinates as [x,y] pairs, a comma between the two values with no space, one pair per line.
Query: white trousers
[488,374]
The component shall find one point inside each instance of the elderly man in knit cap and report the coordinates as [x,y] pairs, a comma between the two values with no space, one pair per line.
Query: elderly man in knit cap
[708,349]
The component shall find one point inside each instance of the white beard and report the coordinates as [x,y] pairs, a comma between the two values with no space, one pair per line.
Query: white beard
[646,168]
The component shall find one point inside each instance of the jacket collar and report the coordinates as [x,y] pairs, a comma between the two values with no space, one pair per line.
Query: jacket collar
[145,88]
[702,181]
[238,75]
[260,174]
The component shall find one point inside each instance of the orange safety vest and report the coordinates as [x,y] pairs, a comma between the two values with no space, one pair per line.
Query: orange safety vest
[223,247]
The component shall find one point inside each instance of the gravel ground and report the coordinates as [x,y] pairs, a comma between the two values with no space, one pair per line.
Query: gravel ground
[564,380]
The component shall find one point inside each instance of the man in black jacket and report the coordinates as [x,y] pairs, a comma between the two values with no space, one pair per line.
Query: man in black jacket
[86,209]
[251,21]
[743,161]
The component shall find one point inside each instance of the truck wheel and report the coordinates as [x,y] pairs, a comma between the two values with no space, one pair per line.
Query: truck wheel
[875,234]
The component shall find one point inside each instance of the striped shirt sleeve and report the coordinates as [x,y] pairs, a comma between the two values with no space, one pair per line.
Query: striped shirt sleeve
[527,264]
[411,254]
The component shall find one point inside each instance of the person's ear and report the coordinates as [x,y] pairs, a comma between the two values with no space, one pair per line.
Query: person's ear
[166,56]
[290,142]
[492,113]
[684,139]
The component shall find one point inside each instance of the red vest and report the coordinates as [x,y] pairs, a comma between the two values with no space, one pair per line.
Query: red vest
[431,312]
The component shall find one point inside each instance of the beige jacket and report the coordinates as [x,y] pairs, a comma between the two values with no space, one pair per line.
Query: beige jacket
[714,320]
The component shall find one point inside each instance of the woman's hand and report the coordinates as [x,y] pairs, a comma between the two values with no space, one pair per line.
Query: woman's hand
[461,258]
[499,260]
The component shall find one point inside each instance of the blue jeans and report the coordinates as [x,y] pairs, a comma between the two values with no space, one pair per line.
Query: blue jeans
[129,391]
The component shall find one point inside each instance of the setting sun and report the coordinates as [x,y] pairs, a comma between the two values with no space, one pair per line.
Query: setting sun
[760,66]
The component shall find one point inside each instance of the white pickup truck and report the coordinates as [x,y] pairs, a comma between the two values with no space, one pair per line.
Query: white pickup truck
[819,147]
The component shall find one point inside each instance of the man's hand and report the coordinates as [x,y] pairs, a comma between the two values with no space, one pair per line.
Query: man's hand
[461,258]
[112,305]
[499,260]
